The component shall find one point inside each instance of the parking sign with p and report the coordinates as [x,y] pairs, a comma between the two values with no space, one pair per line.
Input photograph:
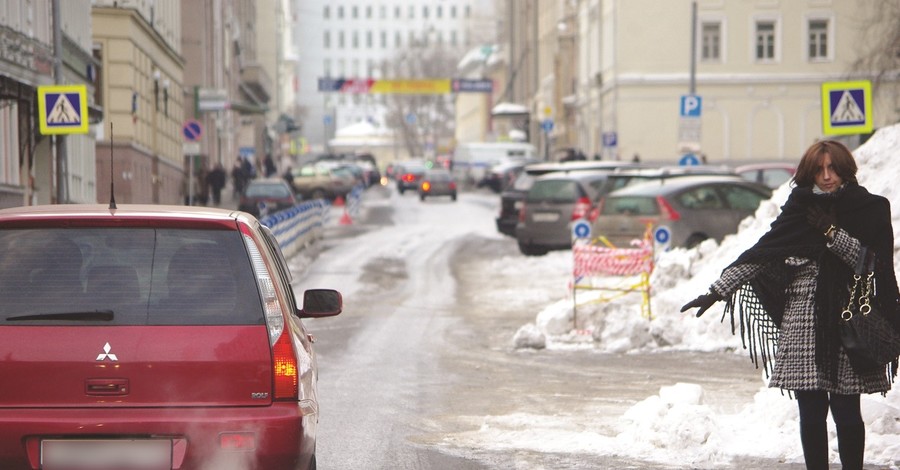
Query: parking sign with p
[691,106]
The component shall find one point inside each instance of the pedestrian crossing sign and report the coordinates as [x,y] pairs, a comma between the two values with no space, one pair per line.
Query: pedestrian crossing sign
[847,107]
[62,109]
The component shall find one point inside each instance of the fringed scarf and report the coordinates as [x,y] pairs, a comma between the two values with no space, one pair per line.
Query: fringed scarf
[759,303]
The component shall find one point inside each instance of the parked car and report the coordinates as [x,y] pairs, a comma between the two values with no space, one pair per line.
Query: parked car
[511,199]
[693,208]
[503,175]
[409,174]
[152,336]
[552,203]
[267,196]
[317,181]
[772,174]
[437,183]
[620,175]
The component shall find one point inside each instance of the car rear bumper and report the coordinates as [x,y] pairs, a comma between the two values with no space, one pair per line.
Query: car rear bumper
[507,226]
[283,437]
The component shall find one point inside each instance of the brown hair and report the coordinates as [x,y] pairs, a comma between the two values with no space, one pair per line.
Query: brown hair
[841,160]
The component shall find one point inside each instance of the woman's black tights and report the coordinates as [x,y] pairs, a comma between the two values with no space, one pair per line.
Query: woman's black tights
[851,430]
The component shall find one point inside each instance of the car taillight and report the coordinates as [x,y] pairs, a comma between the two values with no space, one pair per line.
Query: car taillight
[452,185]
[666,209]
[426,186]
[285,368]
[408,177]
[581,209]
[284,361]
[522,213]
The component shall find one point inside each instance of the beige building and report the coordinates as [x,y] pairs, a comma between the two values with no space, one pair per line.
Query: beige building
[612,76]
[139,46]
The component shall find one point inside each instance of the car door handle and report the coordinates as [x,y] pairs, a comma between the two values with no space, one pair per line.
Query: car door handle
[106,387]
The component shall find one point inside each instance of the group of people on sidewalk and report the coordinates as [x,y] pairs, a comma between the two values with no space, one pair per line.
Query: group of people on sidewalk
[208,184]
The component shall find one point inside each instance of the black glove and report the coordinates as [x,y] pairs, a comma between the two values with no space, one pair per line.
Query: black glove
[704,302]
[820,218]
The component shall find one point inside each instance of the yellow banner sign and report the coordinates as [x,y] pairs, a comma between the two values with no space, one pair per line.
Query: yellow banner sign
[411,87]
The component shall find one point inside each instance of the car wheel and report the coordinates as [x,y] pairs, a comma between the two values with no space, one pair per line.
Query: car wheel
[695,240]
[422,197]
[531,250]
[400,188]
[453,197]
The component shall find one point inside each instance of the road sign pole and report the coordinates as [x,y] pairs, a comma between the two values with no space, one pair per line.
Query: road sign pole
[62,189]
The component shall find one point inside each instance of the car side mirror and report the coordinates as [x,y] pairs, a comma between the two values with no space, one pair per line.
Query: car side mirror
[319,303]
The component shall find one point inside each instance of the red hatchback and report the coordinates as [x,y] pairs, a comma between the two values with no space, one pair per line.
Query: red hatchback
[152,337]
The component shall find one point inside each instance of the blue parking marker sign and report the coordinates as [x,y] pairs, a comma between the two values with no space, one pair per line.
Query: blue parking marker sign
[662,235]
[581,229]
[62,109]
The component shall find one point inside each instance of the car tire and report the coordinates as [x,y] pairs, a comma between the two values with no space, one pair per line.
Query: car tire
[422,197]
[453,197]
[694,240]
[401,189]
[531,250]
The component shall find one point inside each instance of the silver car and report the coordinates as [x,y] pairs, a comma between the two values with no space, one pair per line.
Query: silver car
[692,208]
[552,203]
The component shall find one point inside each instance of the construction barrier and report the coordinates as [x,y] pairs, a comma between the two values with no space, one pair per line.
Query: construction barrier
[298,226]
[607,268]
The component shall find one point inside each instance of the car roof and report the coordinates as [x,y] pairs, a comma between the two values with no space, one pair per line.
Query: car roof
[581,175]
[792,167]
[547,167]
[138,214]
[671,185]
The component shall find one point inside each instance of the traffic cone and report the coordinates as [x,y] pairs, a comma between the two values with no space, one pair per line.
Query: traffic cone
[338,201]
[345,219]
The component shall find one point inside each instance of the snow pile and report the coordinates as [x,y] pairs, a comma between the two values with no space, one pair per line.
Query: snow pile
[677,419]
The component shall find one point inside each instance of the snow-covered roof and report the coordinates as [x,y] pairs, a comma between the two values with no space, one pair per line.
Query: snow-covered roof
[361,129]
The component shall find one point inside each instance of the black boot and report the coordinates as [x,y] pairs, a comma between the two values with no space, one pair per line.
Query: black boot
[851,445]
[814,438]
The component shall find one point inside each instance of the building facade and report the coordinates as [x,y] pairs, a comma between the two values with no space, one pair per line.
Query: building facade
[352,39]
[35,168]
[758,68]
[139,144]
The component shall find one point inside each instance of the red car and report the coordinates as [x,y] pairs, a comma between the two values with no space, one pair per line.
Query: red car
[161,337]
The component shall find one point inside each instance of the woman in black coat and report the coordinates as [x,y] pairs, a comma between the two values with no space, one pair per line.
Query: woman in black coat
[789,289]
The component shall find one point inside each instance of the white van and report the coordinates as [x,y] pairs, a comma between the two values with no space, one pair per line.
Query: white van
[472,160]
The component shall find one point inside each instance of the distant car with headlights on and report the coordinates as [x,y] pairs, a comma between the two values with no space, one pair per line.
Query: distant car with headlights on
[693,208]
[437,183]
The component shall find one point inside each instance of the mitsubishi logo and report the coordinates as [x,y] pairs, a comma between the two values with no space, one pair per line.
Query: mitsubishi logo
[107,354]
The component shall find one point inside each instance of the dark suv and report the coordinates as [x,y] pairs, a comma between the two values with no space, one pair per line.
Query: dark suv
[152,337]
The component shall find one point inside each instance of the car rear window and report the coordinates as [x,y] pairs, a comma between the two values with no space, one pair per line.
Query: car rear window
[144,276]
[554,191]
[630,205]
[268,190]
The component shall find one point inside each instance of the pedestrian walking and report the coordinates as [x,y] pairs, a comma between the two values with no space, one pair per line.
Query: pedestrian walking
[216,181]
[238,179]
[788,292]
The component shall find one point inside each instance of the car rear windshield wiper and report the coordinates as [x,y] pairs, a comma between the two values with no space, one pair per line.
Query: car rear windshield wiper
[96,315]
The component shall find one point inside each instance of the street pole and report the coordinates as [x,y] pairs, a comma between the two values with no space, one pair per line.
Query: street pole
[693,85]
[62,188]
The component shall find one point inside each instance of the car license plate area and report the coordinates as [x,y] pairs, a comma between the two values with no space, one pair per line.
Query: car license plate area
[545,217]
[102,454]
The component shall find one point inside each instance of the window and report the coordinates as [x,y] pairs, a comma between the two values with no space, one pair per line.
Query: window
[368,11]
[340,12]
[452,11]
[355,40]
[368,39]
[340,40]
[355,11]
[818,39]
[453,41]
[397,12]
[327,67]
[765,40]
[326,40]
[425,11]
[326,13]
[398,41]
[412,11]
[382,12]
[439,11]
[384,39]
[710,42]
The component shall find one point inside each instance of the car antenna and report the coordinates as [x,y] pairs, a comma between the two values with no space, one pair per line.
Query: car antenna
[112,184]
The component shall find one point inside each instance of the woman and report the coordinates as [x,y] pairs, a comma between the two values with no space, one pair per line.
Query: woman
[789,289]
